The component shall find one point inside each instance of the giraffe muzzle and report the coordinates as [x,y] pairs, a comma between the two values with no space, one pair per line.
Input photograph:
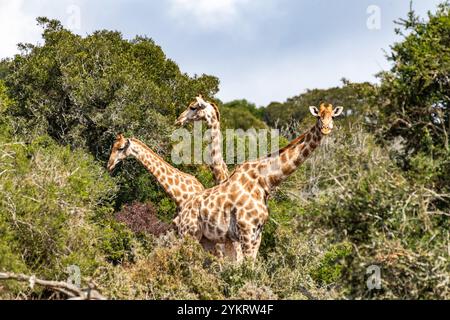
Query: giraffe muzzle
[180,121]
[110,167]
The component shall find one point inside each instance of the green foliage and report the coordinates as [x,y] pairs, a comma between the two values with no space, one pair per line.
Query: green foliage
[332,265]
[116,242]
[5,100]
[205,176]
[9,254]
[51,198]
[415,92]
[364,200]
[240,114]
[3,69]
[136,184]
[423,169]
[282,211]
[181,270]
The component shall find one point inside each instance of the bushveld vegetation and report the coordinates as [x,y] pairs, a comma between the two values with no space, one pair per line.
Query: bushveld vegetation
[377,192]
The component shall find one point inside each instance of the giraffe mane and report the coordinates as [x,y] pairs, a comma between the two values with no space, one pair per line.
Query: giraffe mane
[216,109]
[294,142]
[143,145]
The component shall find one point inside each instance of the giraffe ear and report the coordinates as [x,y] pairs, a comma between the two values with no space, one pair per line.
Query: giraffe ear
[314,111]
[338,111]
[119,136]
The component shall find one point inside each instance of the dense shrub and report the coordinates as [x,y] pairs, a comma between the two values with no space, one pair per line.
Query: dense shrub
[55,206]
[180,269]
[415,93]
[363,198]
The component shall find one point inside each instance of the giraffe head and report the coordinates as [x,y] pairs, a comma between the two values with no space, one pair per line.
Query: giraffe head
[199,110]
[325,115]
[120,150]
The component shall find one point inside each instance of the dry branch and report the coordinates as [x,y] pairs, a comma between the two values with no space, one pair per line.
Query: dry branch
[73,292]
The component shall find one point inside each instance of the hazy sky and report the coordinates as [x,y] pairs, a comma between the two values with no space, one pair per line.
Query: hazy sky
[262,50]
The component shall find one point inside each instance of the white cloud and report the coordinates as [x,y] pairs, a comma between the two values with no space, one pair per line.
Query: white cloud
[206,13]
[18,20]
[15,26]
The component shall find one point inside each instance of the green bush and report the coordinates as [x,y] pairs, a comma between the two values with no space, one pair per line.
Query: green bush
[364,199]
[56,208]
[331,266]
[414,93]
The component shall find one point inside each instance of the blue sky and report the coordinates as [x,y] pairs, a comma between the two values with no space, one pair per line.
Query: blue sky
[262,50]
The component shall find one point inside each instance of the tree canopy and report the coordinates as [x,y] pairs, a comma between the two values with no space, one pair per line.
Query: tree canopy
[83,90]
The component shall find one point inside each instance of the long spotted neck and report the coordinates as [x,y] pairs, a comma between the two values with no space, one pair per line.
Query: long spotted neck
[279,167]
[217,165]
[178,185]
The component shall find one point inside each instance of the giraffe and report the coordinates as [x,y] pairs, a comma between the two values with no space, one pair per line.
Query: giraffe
[178,185]
[209,112]
[237,208]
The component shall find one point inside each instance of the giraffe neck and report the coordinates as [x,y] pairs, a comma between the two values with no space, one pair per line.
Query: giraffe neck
[217,165]
[281,166]
[178,185]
